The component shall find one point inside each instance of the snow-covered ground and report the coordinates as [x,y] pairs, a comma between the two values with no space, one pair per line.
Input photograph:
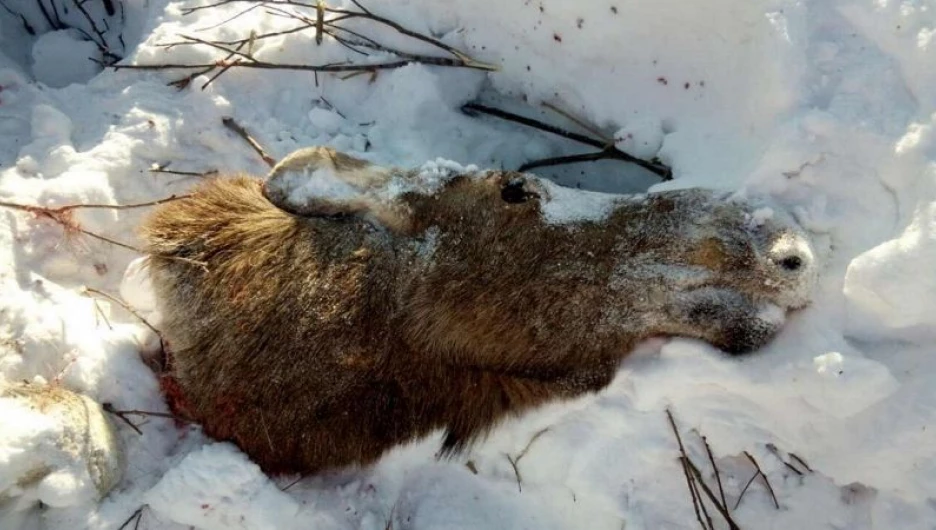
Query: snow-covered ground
[828,105]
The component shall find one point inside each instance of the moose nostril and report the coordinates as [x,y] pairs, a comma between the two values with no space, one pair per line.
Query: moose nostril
[791,263]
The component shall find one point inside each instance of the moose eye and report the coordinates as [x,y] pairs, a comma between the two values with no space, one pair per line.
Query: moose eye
[513,192]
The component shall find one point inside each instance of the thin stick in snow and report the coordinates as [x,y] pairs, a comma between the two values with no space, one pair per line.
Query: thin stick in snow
[766,481]
[162,169]
[242,132]
[135,517]
[684,459]
[513,464]
[776,452]
[711,495]
[708,450]
[605,151]
[515,461]
[130,310]
[110,409]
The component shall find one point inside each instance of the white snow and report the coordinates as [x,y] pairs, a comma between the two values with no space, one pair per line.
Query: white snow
[60,58]
[217,487]
[641,137]
[55,449]
[565,205]
[827,107]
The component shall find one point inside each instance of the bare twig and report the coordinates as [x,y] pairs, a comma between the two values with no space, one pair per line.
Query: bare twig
[232,18]
[776,452]
[45,13]
[136,517]
[101,42]
[299,479]
[580,122]
[470,108]
[110,409]
[185,81]
[58,17]
[745,488]
[693,492]
[706,524]
[234,51]
[62,216]
[319,21]
[568,159]
[69,207]
[203,174]
[130,310]
[461,56]
[107,239]
[513,463]
[606,151]
[343,67]
[708,450]
[219,73]
[100,312]
[164,415]
[708,492]
[800,461]
[347,44]
[242,132]
[320,26]
[530,443]
[26,25]
[766,481]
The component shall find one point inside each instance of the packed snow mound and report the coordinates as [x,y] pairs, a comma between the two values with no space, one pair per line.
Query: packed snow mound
[882,302]
[825,106]
[217,487]
[57,448]
[60,58]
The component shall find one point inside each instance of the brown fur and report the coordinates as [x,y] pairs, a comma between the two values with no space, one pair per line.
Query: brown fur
[315,342]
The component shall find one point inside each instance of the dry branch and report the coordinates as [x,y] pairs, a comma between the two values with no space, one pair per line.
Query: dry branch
[766,480]
[776,452]
[69,207]
[299,479]
[580,122]
[708,451]
[130,310]
[744,489]
[110,409]
[708,492]
[606,151]
[135,517]
[513,464]
[242,132]
[320,26]
[690,480]
[162,169]
[695,482]
[63,216]
[800,461]
[165,415]
[515,461]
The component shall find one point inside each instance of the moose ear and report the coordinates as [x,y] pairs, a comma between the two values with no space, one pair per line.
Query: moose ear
[322,182]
